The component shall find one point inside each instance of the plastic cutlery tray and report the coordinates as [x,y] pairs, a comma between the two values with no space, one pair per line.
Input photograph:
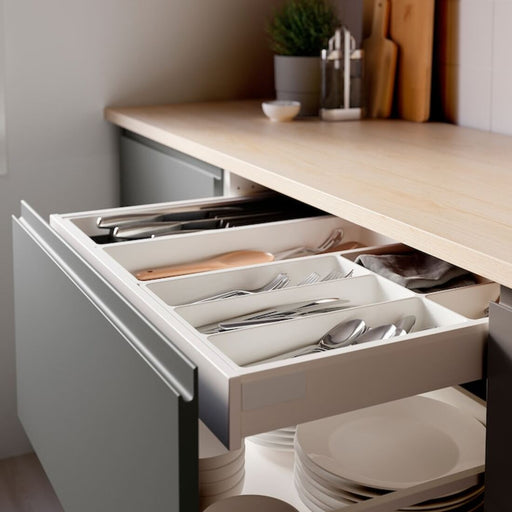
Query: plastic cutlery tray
[445,347]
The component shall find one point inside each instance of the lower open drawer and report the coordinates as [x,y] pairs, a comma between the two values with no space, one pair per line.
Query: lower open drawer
[270,470]
[239,395]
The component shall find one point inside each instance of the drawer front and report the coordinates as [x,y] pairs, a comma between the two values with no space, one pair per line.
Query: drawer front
[239,394]
[152,173]
[86,367]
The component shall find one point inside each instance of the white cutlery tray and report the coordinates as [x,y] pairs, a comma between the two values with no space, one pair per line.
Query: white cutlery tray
[357,291]
[253,344]
[237,401]
[272,237]
[183,290]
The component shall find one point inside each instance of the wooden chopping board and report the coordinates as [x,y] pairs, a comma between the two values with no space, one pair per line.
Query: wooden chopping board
[412,28]
[380,56]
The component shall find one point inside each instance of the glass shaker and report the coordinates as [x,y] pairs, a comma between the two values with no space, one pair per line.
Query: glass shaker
[341,78]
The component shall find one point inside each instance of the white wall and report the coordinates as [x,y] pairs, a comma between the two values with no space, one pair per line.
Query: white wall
[67,59]
[476,63]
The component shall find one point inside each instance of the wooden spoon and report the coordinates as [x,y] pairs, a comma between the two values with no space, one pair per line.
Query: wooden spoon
[222,261]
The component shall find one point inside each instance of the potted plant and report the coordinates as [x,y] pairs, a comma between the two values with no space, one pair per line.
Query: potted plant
[298,31]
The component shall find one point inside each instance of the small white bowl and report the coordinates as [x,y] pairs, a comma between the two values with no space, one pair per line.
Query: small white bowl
[281,110]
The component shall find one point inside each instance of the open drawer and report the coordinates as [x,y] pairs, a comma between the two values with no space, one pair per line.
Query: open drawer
[239,395]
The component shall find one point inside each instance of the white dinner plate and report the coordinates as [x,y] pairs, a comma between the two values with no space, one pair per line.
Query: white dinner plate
[212,453]
[277,436]
[221,486]
[251,503]
[304,498]
[442,504]
[334,482]
[214,475]
[313,490]
[334,503]
[395,445]
[326,493]
[287,447]
[206,501]
[316,483]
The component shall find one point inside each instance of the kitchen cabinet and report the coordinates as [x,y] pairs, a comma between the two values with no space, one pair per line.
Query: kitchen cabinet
[154,173]
[134,383]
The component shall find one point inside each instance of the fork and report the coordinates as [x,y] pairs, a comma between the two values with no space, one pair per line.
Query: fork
[310,279]
[335,274]
[333,239]
[276,283]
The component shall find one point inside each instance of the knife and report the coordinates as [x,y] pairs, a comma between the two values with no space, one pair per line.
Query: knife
[140,230]
[195,212]
[178,214]
[276,314]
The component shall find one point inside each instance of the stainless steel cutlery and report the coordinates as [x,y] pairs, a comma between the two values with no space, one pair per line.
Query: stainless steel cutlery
[296,252]
[236,259]
[277,314]
[350,332]
[211,215]
[276,283]
[141,230]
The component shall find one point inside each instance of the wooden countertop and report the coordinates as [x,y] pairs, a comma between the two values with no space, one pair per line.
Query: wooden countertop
[437,187]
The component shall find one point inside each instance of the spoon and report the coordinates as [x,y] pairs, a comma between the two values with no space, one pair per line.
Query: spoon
[226,260]
[340,335]
[405,324]
[382,332]
[343,334]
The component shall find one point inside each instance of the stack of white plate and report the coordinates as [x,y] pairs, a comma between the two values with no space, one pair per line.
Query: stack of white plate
[280,439]
[221,471]
[251,503]
[362,454]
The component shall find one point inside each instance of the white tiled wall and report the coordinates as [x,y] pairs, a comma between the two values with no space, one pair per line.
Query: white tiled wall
[477,63]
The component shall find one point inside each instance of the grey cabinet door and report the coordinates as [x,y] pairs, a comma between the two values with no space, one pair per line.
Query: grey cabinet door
[108,403]
[153,173]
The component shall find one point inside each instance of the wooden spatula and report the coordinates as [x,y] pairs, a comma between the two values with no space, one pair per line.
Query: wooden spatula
[380,56]
[226,260]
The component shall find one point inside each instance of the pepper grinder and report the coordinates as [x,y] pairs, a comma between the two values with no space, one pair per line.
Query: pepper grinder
[340,101]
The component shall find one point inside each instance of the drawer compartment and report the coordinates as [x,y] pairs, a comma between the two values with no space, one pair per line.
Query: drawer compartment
[186,289]
[237,398]
[356,291]
[249,346]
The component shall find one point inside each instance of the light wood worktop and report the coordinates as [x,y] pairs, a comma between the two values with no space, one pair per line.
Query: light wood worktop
[443,189]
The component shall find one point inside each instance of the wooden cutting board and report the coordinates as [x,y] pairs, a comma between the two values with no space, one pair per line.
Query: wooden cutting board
[380,56]
[412,28]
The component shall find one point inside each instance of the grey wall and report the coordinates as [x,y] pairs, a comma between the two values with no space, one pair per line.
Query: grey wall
[67,59]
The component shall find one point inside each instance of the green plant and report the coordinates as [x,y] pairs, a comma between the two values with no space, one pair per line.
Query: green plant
[302,27]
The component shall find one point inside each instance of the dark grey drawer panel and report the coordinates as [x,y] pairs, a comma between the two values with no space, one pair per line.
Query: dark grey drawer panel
[152,173]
